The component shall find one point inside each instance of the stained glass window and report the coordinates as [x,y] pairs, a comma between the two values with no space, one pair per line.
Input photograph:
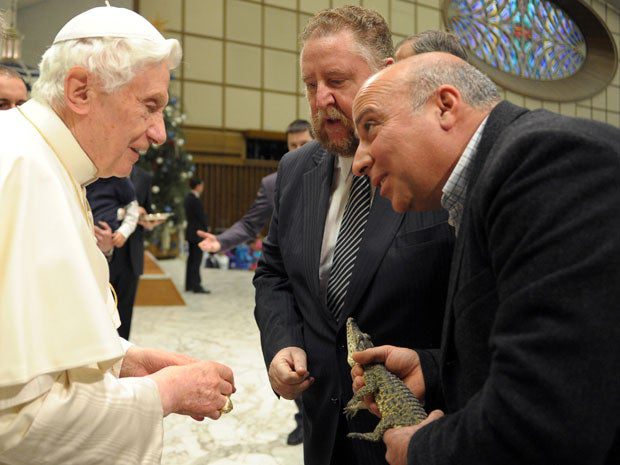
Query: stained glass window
[528,38]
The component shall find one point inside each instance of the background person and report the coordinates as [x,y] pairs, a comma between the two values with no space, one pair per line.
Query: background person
[71,390]
[127,264]
[298,133]
[397,286]
[529,359]
[196,220]
[114,206]
[13,89]
[429,41]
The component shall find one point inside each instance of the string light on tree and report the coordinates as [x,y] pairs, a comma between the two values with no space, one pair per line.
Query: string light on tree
[171,166]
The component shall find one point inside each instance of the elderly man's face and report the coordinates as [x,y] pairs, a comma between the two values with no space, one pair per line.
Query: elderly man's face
[333,72]
[397,148]
[13,92]
[128,121]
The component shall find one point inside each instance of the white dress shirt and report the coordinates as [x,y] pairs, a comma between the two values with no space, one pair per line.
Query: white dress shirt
[341,186]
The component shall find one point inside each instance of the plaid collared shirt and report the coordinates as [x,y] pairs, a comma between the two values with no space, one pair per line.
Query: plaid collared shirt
[455,189]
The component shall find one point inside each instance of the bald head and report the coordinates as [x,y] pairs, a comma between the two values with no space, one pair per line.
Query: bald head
[419,76]
[414,120]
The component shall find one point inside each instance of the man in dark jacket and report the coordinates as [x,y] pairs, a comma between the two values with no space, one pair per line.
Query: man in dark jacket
[127,262]
[528,367]
[196,219]
[298,133]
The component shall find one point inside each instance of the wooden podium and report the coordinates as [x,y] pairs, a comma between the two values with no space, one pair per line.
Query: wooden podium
[155,287]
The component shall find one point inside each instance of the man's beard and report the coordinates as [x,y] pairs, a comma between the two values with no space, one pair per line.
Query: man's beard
[345,147]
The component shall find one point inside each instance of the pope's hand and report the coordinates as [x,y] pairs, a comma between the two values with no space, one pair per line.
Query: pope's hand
[397,439]
[139,361]
[199,389]
[288,373]
[209,242]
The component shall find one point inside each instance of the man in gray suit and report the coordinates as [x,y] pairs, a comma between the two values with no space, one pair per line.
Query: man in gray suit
[247,228]
[298,133]
[529,361]
[394,281]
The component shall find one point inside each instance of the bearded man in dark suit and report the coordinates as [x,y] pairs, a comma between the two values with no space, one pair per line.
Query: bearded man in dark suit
[529,361]
[394,281]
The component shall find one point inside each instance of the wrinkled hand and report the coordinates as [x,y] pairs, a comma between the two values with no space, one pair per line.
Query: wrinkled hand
[118,239]
[404,363]
[288,373]
[199,389]
[397,439]
[140,361]
[103,234]
[209,242]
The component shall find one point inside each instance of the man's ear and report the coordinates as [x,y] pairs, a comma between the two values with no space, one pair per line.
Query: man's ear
[388,61]
[448,101]
[78,90]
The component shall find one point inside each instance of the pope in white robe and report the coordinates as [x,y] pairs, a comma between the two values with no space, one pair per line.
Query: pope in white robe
[71,390]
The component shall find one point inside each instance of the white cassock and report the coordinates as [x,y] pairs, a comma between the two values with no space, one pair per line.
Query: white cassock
[61,401]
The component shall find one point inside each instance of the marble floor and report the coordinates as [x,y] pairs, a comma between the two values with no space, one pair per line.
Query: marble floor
[220,326]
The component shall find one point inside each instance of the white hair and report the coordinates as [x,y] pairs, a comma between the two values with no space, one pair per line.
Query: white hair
[115,62]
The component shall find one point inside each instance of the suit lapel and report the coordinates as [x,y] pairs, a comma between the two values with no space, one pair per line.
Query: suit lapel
[383,223]
[316,191]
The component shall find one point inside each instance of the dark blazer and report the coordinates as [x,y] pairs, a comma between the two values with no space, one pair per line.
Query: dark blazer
[142,181]
[128,261]
[397,292]
[530,357]
[255,218]
[106,195]
[195,216]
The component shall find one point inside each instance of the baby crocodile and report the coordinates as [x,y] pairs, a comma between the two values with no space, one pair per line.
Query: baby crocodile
[398,406]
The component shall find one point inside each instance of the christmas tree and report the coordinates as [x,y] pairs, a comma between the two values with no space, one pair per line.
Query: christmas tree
[171,167]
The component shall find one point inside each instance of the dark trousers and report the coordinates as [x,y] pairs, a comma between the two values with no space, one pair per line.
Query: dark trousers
[343,453]
[298,415]
[125,283]
[192,270]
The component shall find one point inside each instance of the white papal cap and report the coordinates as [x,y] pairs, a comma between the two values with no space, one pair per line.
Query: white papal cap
[109,21]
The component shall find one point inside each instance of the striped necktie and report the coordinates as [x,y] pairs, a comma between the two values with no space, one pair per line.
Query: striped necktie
[348,242]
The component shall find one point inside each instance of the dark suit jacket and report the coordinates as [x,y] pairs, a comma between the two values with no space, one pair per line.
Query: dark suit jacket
[106,195]
[530,357]
[397,292]
[255,218]
[195,216]
[141,180]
